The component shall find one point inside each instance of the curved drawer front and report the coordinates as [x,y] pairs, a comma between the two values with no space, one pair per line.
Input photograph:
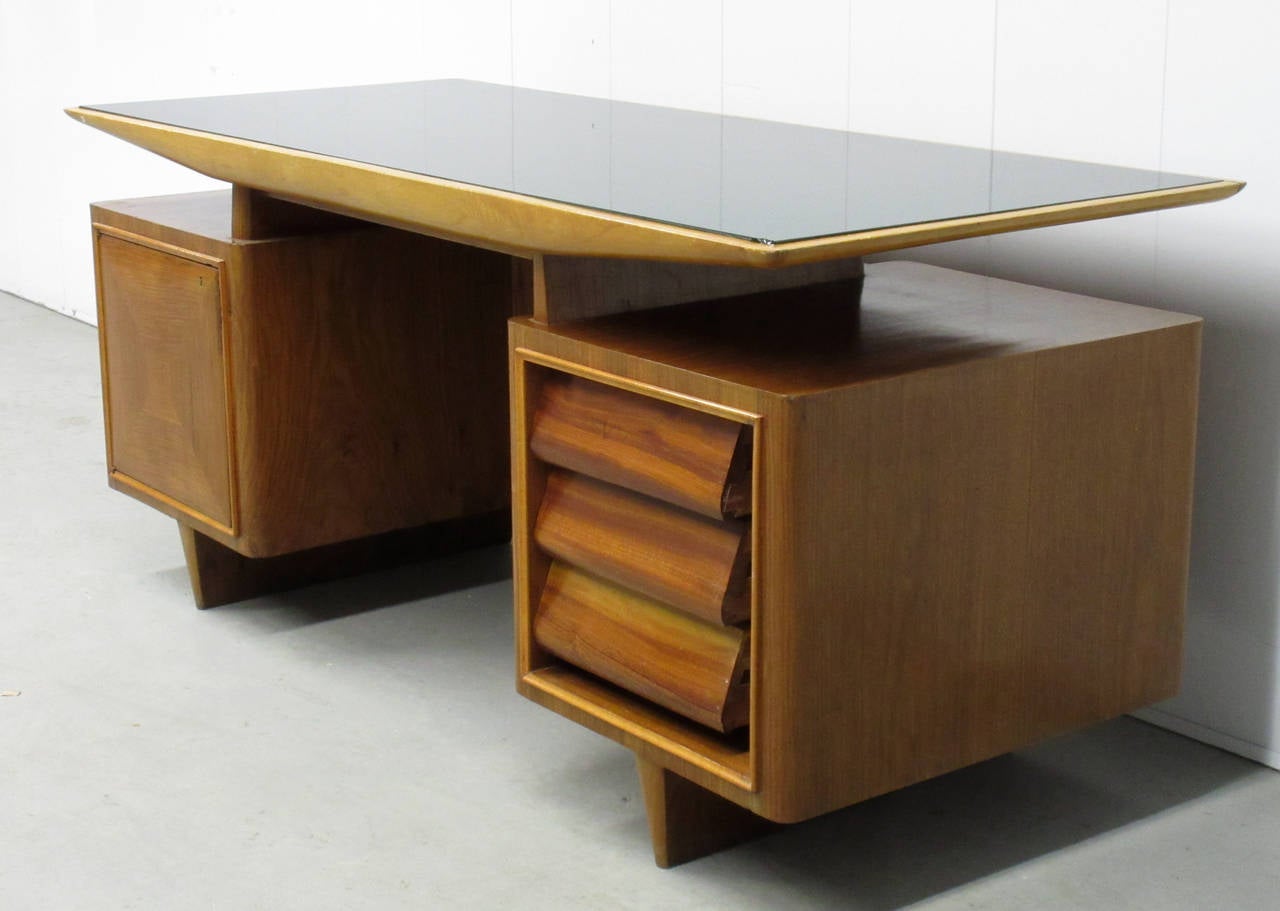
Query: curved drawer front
[689,666]
[685,457]
[699,565]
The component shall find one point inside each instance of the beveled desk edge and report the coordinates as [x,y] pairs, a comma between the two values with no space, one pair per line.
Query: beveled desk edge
[525,225]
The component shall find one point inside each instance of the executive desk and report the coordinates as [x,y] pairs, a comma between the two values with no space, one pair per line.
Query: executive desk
[795,535]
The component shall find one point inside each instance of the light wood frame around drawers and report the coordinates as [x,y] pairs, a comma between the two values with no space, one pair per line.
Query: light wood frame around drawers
[720,763]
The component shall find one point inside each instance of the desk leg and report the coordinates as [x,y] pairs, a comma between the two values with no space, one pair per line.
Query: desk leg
[687,822]
[219,575]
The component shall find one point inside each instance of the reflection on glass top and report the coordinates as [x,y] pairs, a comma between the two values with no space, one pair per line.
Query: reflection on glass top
[756,179]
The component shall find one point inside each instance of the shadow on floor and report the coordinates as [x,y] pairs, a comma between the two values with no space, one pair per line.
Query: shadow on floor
[907,846]
[368,592]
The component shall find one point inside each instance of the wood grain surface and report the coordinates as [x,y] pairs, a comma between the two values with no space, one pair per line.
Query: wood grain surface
[165,379]
[971,525]
[687,822]
[580,287]
[694,460]
[686,665]
[684,560]
[366,372]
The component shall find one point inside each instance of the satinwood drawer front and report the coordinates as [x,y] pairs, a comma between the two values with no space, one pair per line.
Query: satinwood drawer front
[685,457]
[698,565]
[165,376]
[691,667]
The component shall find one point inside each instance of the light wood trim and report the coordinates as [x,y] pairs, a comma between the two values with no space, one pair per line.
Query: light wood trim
[761,474]
[158,245]
[657,392]
[641,727]
[528,481]
[511,222]
[174,509]
[732,771]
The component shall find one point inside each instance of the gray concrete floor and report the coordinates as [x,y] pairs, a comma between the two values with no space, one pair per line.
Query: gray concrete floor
[360,744]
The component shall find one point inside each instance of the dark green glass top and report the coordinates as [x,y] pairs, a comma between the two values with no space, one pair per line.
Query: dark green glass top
[756,179]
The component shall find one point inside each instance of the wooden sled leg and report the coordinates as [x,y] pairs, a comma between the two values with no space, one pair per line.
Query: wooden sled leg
[687,821]
[220,575]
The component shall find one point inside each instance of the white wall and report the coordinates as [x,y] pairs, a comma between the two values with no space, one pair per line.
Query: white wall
[1187,85]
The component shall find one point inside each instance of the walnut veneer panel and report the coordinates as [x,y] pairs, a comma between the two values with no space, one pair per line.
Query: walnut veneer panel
[165,379]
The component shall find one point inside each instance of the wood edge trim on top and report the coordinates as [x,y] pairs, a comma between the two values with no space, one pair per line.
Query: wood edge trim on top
[160,246]
[513,222]
[510,222]
[883,240]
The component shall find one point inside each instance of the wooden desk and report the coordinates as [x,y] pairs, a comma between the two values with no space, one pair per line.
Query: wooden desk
[806,538]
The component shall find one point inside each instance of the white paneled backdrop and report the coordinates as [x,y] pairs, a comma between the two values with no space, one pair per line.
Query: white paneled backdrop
[1186,85]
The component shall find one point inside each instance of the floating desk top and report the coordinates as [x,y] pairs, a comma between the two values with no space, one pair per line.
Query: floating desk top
[532,171]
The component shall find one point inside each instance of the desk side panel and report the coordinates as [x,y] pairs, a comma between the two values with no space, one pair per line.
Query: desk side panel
[977,557]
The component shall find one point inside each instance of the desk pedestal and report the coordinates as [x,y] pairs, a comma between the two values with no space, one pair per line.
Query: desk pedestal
[967,525]
[319,397]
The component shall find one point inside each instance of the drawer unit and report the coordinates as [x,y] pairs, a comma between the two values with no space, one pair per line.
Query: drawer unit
[932,468]
[647,575]
[635,555]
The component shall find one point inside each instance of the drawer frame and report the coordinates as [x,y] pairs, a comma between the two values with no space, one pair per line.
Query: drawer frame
[720,763]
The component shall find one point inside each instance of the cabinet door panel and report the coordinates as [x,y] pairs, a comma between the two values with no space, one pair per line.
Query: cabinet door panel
[165,377]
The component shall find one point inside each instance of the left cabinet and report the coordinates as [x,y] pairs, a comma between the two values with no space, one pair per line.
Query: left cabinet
[333,384]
